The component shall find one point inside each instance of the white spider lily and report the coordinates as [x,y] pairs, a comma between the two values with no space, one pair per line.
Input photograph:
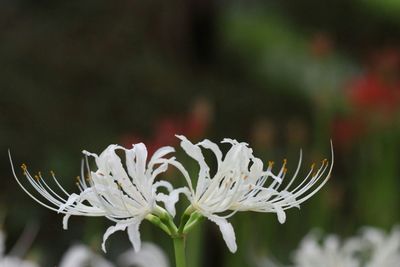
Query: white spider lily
[331,253]
[149,256]
[241,184]
[123,194]
[82,256]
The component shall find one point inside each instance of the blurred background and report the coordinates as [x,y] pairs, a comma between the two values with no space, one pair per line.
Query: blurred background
[280,75]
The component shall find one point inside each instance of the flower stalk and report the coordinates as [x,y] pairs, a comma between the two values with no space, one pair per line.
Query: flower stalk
[179,248]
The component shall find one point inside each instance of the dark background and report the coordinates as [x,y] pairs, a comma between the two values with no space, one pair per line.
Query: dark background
[280,75]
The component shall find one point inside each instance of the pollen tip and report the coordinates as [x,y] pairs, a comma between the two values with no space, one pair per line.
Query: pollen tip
[52,173]
[37,178]
[24,167]
[271,164]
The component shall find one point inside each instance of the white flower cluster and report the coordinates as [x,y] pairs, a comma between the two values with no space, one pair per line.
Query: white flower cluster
[124,188]
[371,248]
[150,255]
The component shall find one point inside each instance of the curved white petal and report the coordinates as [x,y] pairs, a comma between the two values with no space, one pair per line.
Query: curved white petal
[134,235]
[194,151]
[214,148]
[120,226]
[171,199]
[227,231]
[280,213]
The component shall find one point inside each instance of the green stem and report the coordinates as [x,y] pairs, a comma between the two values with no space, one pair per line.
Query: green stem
[185,217]
[180,255]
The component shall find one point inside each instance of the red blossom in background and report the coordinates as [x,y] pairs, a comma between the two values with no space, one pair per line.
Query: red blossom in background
[194,125]
[373,97]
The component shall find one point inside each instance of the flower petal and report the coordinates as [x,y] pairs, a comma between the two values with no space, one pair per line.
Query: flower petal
[171,199]
[120,226]
[194,151]
[227,231]
[159,154]
[65,221]
[280,213]
[134,235]
[214,148]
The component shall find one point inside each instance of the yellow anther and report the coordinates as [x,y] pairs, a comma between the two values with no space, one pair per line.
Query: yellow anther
[271,164]
[325,161]
[52,173]
[313,166]
[77,184]
[284,170]
[37,178]
[23,166]
[78,178]
[40,174]
[284,162]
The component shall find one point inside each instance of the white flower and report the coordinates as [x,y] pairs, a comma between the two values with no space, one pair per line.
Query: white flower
[384,248]
[331,253]
[149,256]
[82,256]
[11,261]
[241,184]
[123,194]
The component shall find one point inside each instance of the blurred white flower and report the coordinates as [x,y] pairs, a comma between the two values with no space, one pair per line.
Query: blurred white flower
[149,256]
[330,253]
[384,248]
[82,256]
[372,248]
[123,194]
[241,184]
[11,261]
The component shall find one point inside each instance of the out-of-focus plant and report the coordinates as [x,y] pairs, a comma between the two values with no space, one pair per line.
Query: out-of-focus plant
[368,130]
[371,248]
[150,255]
[82,256]
[13,259]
